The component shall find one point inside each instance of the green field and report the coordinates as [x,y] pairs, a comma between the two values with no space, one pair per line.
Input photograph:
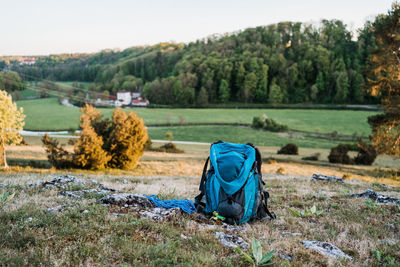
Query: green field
[235,134]
[48,114]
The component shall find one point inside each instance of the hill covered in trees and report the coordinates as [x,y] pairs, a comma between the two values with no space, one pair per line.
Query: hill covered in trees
[288,62]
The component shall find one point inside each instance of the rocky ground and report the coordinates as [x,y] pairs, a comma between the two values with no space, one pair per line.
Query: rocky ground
[91,219]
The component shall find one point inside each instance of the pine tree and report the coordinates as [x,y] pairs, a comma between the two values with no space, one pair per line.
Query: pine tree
[88,151]
[128,140]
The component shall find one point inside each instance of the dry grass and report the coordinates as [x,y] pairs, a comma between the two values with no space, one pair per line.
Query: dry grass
[99,238]
[348,223]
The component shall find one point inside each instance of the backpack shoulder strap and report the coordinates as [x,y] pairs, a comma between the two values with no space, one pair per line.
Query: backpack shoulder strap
[258,161]
[263,208]
[197,200]
[200,206]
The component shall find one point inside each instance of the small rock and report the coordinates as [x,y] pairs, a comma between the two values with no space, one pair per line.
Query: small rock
[292,234]
[285,257]
[231,241]
[124,181]
[160,214]
[321,177]
[388,241]
[94,182]
[185,237]
[130,199]
[80,193]
[55,209]
[378,198]
[85,212]
[325,248]
[29,219]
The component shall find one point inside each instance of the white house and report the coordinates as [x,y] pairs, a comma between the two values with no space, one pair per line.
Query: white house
[124,98]
[28,61]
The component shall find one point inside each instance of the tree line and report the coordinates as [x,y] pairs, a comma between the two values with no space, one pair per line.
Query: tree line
[288,62]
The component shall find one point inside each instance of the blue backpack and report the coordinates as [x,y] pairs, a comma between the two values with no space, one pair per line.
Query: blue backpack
[232,188]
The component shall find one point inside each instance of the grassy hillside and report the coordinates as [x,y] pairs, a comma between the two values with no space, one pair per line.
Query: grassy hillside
[88,233]
[48,114]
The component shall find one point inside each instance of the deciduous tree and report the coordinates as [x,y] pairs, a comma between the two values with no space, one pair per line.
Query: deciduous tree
[385,68]
[11,121]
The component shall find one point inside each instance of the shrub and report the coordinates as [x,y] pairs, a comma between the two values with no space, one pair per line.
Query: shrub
[263,122]
[273,126]
[88,151]
[168,148]
[102,143]
[127,140]
[352,147]
[313,157]
[339,155]
[56,154]
[258,122]
[280,170]
[366,154]
[289,149]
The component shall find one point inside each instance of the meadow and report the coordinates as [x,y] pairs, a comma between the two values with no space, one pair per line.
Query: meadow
[48,114]
[88,233]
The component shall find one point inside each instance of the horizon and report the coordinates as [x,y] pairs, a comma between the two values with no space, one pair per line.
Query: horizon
[45,28]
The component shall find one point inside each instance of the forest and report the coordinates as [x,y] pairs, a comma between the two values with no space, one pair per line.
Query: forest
[287,62]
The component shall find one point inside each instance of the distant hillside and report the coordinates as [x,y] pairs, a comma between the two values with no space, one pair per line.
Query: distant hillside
[288,62]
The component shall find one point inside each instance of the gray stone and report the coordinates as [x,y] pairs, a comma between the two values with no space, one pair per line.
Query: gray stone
[388,241]
[130,199]
[231,241]
[63,181]
[124,181]
[56,209]
[224,226]
[378,198]
[185,237]
[325,248]
[321,177]
[159,214]
[292,234]
[285,257]
[81,193]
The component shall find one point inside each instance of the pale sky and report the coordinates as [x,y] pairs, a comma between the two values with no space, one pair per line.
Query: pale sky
[42,27]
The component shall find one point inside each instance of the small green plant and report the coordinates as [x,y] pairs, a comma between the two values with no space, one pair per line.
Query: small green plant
[307,212]
[257,259]
[5,197]
[378,255]
[371,204]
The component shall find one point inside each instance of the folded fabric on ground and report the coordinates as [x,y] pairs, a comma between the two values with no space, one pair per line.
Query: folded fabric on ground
[185,205]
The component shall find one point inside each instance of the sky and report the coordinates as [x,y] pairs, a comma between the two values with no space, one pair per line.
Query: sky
[43,27]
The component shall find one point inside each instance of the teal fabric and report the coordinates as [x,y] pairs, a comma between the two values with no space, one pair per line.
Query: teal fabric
[212,193]
[232,164]
[251,190]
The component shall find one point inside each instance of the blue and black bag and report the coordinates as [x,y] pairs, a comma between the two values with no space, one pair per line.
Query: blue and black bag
[233,185]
